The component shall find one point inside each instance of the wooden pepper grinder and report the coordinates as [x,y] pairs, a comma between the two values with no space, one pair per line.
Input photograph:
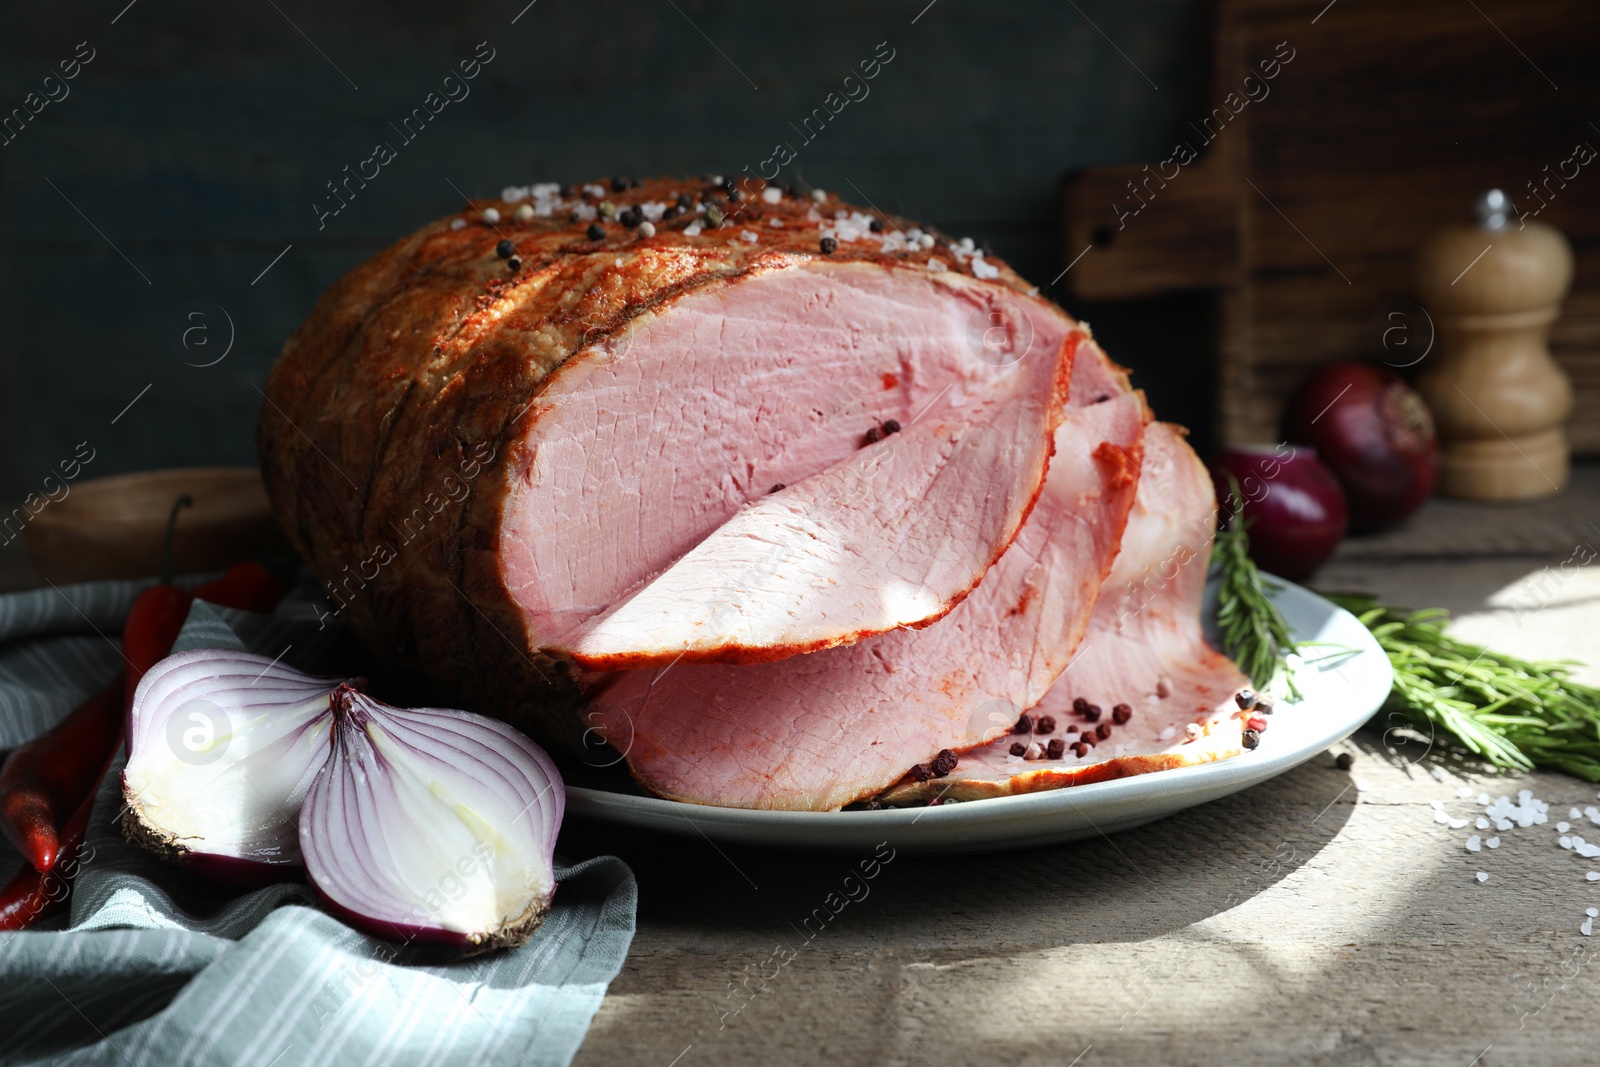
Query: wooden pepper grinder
[1499,400]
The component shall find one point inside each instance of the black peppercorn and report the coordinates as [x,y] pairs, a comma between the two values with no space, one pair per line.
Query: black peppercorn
[1090,712]
[630,216]
[874,435]
[1344,761]
[515,263]
[876,225]
[1121,714]
[777,487]
[1251,739]
[1045,725]
[505,248]
[828,245]
[1024,725]
[1264,704]
[891,426]
[685,201]
[1018,748]
[595,232]
[1245,698]
[1079,749]
[1102,731]
[1055,748]
[618,184]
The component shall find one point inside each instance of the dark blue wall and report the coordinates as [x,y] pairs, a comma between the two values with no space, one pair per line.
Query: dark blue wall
[199,137]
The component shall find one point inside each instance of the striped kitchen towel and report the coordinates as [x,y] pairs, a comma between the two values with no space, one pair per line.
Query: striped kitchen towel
[155,966]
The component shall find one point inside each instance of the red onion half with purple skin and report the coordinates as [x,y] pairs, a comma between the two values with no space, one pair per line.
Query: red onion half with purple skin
[1291,502]
[418,824]
[433,826]
[222,747]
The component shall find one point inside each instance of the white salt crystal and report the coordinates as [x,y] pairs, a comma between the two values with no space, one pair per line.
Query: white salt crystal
[1587,851]
[771,194]
[1483,798]
[1587,928]
[1564,842]
[1483,876]
[456,224]
[1456,824]
[1593,876]
[1441,818]
[1573,813]
[1502,824]
[1563,826]
[1482,823]
[1474,843]
[1436,805]
[1593,913]
[1493,842]
[1464,792]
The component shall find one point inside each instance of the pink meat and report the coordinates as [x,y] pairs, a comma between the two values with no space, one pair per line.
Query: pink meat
[893,535]
[640,448]
[816,732]
[1144,648]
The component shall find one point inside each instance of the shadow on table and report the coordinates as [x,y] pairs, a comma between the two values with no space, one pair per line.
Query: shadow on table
[1127,886]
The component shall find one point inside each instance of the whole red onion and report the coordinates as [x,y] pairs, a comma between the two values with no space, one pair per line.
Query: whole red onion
[1293,504]
[1376,434]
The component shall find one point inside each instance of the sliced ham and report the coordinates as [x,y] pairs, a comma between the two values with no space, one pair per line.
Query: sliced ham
[816,732]
[894,535]
[1144,649]
[515,475]
[482,458]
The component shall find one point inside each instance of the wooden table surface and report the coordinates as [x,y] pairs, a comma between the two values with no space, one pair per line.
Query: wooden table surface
[1322,918]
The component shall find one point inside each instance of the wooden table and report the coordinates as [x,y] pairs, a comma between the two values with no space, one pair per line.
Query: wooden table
[1323,918]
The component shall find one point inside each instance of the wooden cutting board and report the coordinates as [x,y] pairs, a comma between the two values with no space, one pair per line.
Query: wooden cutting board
[1311,191]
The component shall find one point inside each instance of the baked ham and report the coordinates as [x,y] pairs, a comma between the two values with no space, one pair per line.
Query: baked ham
[749,493]
[1145,650]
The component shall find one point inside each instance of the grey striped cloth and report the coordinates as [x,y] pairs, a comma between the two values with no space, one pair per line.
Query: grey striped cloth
[155,966]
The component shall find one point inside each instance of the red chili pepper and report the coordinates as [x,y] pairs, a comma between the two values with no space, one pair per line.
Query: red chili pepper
[247,586]
[31,895]
[156,617]
[44,780]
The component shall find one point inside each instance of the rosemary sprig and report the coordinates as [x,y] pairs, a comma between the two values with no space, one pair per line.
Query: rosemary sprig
[1516,714]
[1254,632]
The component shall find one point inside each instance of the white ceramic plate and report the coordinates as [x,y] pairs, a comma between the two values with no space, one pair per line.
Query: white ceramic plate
[1338,695]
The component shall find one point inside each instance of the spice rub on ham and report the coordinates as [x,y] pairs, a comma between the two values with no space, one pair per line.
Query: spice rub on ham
[761,480]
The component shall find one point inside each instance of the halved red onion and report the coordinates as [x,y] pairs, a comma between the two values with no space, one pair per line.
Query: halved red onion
[222,747]
[422,824]
[433,825]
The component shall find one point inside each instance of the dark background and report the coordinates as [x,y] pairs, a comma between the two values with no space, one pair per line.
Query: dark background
[191,149]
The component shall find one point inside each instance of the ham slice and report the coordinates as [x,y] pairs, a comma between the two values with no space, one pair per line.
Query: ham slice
[1144,649]
[819,731]
[892,536]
